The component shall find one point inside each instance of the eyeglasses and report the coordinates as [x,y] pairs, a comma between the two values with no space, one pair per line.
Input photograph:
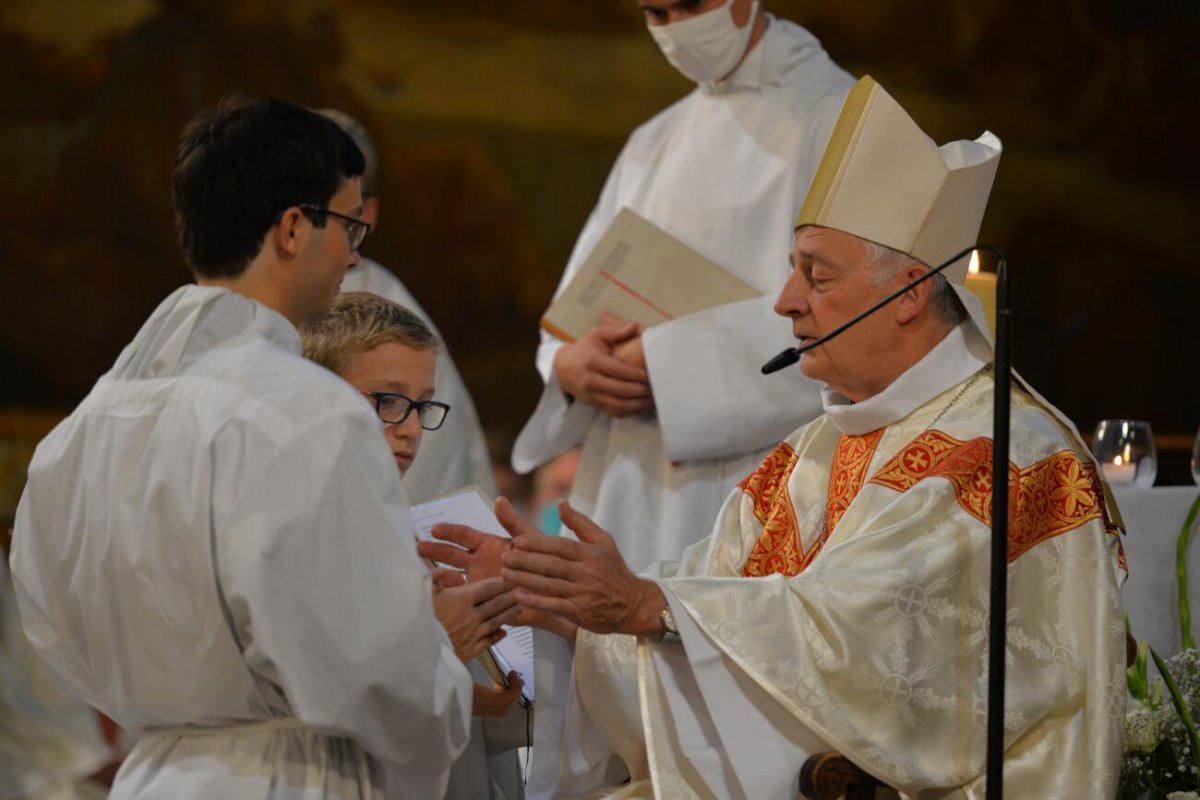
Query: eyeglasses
[356,229]
[394,408]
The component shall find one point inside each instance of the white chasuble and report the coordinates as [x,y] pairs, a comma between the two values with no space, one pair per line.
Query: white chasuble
[842,603]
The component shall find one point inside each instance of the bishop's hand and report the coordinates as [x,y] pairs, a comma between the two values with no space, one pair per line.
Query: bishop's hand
[585,582]
[478,557]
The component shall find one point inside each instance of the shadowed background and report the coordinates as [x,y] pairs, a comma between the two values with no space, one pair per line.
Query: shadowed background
[497,123]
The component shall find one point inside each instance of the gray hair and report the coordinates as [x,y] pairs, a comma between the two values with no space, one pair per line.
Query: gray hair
[355,130]
[889,262]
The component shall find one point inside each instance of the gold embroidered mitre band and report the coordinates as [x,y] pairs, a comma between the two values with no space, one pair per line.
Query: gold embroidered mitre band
[884,180]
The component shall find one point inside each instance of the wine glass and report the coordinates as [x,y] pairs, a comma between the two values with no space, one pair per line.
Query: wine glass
[1196,459]
[1124,448]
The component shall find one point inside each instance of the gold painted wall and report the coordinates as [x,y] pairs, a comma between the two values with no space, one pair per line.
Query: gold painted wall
[497,124]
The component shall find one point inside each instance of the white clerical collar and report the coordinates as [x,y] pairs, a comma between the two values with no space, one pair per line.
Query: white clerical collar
[961,354]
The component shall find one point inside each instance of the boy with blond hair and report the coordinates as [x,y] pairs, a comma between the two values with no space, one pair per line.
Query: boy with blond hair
[390,355]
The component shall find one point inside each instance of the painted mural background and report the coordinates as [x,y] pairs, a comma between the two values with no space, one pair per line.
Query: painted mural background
[497,123]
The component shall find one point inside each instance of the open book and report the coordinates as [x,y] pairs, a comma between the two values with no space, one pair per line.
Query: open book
[643,274]
[470,506]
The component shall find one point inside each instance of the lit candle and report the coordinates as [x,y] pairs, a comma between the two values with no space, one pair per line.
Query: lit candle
[1119,472]
[983,285]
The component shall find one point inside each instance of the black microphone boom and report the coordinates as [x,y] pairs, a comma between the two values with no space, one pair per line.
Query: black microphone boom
[791,355]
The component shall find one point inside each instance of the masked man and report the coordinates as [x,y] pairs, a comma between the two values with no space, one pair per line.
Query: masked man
[671,419]
[841,601]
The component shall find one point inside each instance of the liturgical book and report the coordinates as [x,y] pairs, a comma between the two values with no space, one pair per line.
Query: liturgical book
[643,274]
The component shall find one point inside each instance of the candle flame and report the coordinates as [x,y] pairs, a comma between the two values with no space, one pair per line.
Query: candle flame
[974,261]
[1117,461]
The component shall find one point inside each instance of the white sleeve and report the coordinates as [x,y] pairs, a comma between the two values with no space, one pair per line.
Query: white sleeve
[331,605]
[711,396]
[556,424]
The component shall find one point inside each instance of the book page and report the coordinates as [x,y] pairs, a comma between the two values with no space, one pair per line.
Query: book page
[470,506]
[641,273]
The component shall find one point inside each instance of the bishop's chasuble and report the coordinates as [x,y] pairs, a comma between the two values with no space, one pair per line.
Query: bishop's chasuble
[842,603]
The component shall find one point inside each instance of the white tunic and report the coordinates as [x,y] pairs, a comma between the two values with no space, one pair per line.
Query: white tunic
[724,170]
[456,454]
[217,539]
[841,603]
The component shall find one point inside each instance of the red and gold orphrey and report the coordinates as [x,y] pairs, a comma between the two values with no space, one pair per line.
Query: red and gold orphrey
[851,460]
[780,548]
[1048,498]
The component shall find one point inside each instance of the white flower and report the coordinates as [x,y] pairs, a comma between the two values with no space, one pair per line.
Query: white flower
[1141,730]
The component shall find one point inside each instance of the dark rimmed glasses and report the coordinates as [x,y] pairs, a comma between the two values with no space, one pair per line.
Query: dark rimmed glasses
[393,408]
[356,229]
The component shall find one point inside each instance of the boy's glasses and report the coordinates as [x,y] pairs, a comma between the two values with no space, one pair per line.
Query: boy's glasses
[393,408]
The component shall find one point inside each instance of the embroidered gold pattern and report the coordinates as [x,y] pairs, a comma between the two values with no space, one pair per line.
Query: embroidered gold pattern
[1050,497]
[851,459]
[778,549]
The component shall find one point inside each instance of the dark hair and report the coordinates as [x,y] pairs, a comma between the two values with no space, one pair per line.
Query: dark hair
[241,164]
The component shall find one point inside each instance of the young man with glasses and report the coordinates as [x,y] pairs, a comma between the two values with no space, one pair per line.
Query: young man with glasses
[214,549]
[390,356]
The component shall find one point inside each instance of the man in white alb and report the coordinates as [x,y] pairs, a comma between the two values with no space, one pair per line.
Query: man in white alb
[214,548]
[671,419]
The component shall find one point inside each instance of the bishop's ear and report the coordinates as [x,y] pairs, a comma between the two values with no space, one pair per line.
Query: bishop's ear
[912,304]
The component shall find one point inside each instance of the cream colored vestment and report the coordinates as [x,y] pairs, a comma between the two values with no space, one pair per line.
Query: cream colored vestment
[841,603]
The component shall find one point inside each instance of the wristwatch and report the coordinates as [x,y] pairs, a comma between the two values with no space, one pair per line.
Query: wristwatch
[670,632]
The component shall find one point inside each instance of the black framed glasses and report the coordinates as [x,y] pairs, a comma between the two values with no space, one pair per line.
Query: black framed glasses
[393,408]
[356,229]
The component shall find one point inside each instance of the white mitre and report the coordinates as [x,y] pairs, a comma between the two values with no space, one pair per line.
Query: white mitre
[884,180]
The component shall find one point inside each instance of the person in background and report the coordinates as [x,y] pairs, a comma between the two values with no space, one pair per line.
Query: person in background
[552,482]
[51,744]
[670,418]
[390,355]
[458,455]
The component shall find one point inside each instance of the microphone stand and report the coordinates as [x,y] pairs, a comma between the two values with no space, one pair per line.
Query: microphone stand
[998,597]
[998,600]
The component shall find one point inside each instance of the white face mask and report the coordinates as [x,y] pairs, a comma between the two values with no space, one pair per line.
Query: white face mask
[708,47]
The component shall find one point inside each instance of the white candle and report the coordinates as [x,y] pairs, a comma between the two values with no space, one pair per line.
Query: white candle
[1119,472]
[983,285]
